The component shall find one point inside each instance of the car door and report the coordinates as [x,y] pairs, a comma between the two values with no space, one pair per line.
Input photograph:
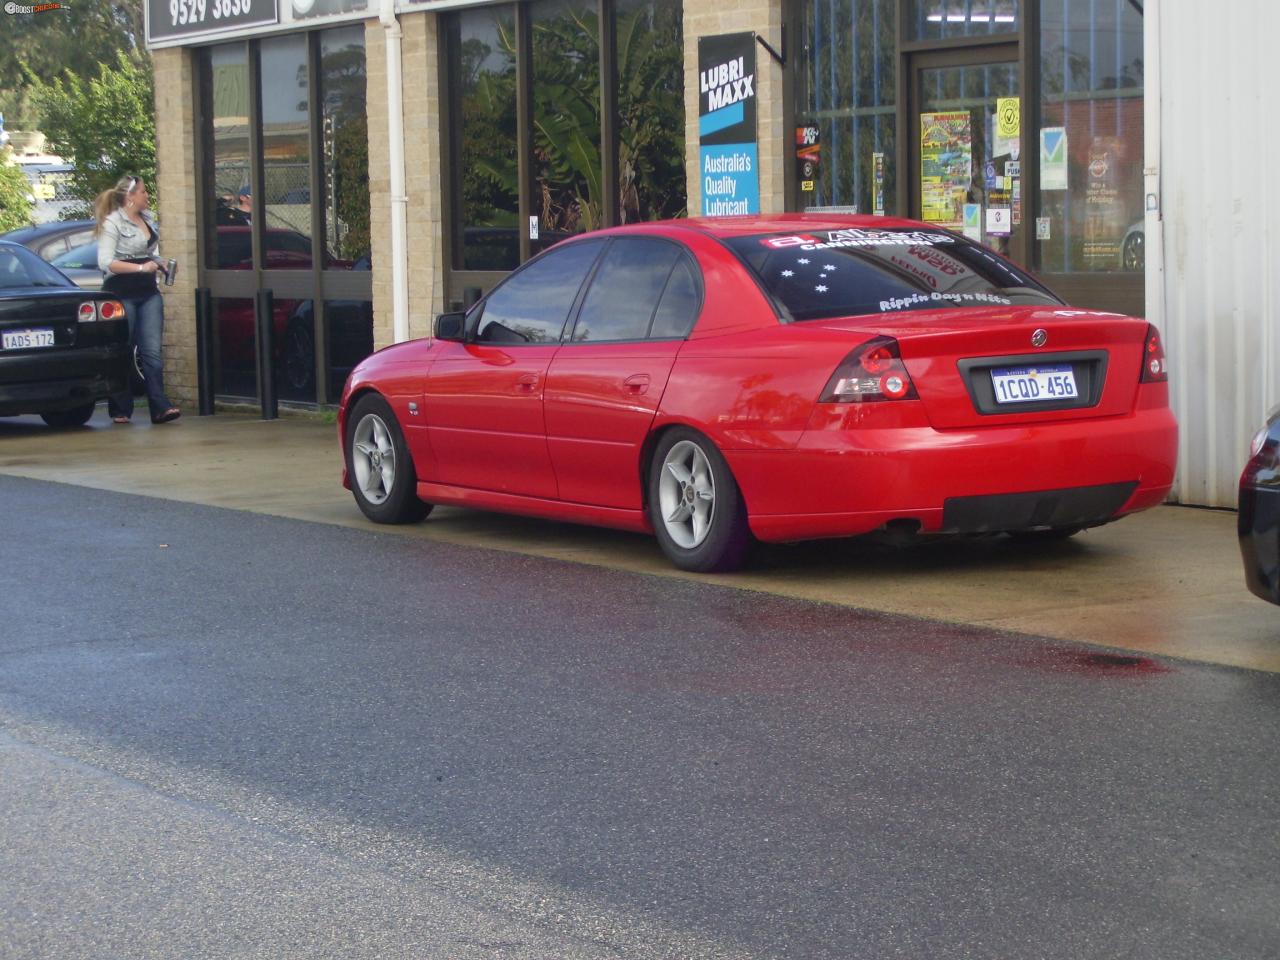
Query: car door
[604,385]
[483,398]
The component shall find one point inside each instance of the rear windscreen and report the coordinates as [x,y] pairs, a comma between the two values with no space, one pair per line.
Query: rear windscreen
[840,273]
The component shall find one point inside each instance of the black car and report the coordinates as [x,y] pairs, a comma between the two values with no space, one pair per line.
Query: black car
[47,240]
[1259,521]
[62,349]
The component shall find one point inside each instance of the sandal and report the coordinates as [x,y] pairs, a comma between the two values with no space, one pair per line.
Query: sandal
[173,413]
[119,419]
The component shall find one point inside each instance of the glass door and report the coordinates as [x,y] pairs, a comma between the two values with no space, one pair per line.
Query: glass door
[965,151]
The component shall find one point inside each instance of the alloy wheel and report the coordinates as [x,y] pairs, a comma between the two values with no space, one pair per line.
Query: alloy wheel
[687,494]
[373,458]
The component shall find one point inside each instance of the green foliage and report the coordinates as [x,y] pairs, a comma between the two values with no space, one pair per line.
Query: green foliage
[104,126]
[77,38]
[15,195]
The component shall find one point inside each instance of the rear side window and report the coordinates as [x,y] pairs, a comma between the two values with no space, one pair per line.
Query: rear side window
[680,303]
[855,271]
[628,290]
[532,305]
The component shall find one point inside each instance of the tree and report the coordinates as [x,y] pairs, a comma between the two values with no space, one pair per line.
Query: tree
[105,126]
[76,38]
[15,195]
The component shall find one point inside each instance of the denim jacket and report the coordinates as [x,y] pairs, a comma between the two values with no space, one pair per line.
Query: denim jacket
[121,239]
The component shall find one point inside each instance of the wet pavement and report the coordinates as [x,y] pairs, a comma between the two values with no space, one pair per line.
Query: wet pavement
[1167,582]
[229,734]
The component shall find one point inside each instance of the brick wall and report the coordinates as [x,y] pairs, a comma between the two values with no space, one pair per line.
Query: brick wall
[176,189]
[710,18]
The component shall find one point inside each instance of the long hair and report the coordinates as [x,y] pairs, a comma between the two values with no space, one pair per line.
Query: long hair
[112,199]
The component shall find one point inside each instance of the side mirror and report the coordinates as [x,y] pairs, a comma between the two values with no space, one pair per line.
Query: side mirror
[451,326]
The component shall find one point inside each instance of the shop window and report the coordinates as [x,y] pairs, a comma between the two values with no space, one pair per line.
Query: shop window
[650,117]
[488,169]
[344,149]
[228,85]
[568,188]
[350,326]
[848,91]
[1091,139]
[237,373]
[286,152]
[945,19]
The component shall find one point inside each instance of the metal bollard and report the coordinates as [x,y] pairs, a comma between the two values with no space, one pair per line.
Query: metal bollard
[204,350]
[264,308]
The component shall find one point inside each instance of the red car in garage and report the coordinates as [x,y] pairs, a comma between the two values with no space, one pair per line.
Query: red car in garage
[783,378]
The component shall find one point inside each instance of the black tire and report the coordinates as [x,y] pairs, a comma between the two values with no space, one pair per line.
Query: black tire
[76,417]
[137,383]
[1050,535]
[372,433]
[723,541]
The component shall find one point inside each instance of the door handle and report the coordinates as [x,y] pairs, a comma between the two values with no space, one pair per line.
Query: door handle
[637,383]
[527,383]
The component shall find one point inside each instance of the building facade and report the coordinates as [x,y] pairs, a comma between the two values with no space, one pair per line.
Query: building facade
[343,172]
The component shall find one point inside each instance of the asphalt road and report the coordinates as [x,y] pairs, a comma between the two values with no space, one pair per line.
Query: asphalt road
[230,735]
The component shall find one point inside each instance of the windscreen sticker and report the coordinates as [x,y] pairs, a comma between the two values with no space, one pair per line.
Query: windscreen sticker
[781,243]
[854,237]
[924,299]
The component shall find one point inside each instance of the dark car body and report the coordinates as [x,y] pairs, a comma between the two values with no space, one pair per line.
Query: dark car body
[1259,520]
[47,240]
[62,349]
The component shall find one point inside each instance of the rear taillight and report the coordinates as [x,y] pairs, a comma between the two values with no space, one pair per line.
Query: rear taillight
[87,313]
[1154,369]
[111,310]
[874,371]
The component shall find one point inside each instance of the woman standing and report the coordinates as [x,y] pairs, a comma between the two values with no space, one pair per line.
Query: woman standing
[128,243]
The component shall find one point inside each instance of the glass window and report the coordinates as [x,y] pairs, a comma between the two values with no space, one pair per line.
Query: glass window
[1091,138]
[350,324]
[295,349]
[855,271]
[566,118]
[83,257]
[344,147]
[228,67]
[624,294]
[937,19]
[21,268]
[681,302]
[489,203]
[307,9]
[848,90]
[286,149]
[650,119]
[237,373]
[533,304]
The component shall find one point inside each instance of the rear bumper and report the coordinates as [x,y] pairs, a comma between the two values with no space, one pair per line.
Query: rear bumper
[62,380]
[850,481]
[1259,530]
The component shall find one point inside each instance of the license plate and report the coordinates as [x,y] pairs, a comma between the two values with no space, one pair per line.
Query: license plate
[1031,384]
[20,339]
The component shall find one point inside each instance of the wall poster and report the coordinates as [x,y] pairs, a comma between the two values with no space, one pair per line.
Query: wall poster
[727,146]
[946,166]
[1104,222]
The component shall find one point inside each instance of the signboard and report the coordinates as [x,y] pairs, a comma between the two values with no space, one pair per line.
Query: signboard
[728,160]
[174,19]
[946,167]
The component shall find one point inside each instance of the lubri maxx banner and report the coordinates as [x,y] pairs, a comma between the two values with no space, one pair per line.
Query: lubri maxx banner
[727,125]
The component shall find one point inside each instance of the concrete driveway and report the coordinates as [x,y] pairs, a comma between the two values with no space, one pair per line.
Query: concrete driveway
[1166,582]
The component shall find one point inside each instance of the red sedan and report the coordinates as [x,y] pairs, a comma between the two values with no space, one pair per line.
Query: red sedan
[782,378]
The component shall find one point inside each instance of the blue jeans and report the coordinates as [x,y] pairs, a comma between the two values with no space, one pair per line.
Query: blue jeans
[146,330]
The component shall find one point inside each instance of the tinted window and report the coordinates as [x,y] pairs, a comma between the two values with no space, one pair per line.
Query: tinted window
[21,268]
[837,273]
[679,306]
[531,306]
[78,258]
[625,291]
